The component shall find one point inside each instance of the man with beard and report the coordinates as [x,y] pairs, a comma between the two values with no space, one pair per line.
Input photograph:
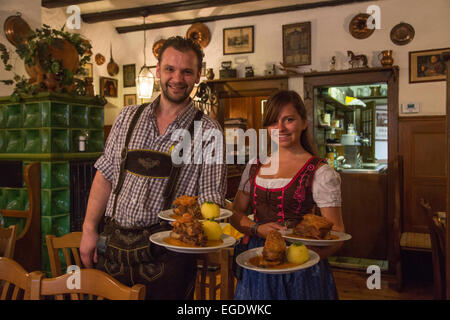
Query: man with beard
[136,180]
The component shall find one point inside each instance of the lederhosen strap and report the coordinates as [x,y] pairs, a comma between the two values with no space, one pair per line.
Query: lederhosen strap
[159,165]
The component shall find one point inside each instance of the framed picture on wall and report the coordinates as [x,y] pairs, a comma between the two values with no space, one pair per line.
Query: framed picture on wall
[297,44]
[238,40]
[108,87]
[129,75]
[129,99]
[89,70]
[427,65]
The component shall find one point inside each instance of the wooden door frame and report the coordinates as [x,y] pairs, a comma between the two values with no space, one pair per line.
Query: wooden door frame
[369,76]
[446,57]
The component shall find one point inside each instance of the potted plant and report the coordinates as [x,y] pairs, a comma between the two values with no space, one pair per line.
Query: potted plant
[54,59]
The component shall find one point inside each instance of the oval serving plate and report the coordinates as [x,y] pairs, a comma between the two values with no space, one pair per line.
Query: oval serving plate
[341,236]
[158,238]
[244,261]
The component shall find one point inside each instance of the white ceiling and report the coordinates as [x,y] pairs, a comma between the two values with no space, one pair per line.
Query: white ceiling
[107,5]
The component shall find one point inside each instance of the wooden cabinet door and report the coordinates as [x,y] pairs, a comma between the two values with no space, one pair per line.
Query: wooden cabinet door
[245,107]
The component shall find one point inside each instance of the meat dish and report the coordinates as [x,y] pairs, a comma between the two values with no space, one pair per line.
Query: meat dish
[314,227]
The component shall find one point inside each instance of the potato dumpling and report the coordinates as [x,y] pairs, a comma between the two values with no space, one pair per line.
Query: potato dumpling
[297,253]
[210,210]
[212,230]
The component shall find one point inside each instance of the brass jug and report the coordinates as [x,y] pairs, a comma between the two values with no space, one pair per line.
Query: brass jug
[386,58]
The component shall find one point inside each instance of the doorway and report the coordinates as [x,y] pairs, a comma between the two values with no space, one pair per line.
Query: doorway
[353,118]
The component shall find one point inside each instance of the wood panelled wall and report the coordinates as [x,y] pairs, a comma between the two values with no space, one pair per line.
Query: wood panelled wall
[422,143]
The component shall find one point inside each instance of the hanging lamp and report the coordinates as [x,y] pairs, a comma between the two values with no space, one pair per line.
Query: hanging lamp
[145,80]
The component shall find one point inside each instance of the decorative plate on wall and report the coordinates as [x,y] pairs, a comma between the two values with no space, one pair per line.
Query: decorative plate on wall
[402,34]
[99,59]
[358,26]
[16,29]
[156,47]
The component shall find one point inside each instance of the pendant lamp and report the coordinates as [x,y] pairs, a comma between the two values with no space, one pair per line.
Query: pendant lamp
[145,80]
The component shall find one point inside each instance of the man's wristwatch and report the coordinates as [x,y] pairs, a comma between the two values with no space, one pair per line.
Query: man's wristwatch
[254,229]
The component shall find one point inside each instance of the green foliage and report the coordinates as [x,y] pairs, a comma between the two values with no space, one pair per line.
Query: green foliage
[36,47]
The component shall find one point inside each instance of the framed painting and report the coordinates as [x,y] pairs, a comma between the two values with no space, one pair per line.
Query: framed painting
[129,99]
[238,40]
[108,87]
[129,75]
[297,44]
[427,66]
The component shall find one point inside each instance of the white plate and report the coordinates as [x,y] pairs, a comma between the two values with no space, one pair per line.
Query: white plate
[158,238]
[244,257]
[166,214]
[314,242]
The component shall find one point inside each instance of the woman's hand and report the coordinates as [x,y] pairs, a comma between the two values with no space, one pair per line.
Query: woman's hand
[264,229]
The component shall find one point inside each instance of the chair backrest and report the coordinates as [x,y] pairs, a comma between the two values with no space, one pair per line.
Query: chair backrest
[85,284]
[223,258]
[14,280]
[8,241]
[69,244]
[437,236]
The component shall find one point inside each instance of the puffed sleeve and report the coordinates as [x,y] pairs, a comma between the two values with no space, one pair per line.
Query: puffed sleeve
[244,185]
[326,188]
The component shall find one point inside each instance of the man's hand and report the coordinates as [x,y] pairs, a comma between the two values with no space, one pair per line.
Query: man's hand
[88,248]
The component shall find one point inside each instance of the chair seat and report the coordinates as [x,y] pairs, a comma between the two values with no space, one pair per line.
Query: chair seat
[415,241]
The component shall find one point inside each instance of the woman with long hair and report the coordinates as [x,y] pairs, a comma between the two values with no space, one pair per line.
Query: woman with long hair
[280,199]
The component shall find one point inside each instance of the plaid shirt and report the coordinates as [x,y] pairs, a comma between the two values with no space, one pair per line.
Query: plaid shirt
[140,199]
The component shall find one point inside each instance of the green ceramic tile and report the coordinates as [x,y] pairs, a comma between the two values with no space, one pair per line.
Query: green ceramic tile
[74,140]
[95,141]
[55,202]
[45,109]
[55,174]
[96,117]
[13,116]
[2,198]
[2,116]
[78,116]
[59,116]
[20,222]
[14,142]
[60,141]
[57,225]
[32,115]
[2,141]
[13,199]
[32,141]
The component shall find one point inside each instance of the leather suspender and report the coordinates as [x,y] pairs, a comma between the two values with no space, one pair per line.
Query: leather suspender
[174,172]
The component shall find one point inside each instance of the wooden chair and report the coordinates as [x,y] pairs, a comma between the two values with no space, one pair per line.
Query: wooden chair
[28,245]
[69,244]
[14,281]
[210,266]
[437,235]
[93,285]
[8,241]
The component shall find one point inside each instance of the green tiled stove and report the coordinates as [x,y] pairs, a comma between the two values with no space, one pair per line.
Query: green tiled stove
[46,128]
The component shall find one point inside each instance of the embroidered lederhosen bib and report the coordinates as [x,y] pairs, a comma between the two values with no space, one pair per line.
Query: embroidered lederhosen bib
[284,205]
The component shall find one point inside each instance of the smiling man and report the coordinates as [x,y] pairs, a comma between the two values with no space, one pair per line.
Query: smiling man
[136,180]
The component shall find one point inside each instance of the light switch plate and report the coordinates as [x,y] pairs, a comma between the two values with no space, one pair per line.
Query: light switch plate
[410,107]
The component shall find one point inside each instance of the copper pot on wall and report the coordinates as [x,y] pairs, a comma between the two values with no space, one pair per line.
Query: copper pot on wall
[386,58]
[112,67]
[16,29]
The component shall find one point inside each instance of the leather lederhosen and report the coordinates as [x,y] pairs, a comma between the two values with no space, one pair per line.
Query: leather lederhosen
[128,254]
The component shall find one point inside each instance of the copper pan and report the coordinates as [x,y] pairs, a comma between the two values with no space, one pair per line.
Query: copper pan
[16,29]
[199,33]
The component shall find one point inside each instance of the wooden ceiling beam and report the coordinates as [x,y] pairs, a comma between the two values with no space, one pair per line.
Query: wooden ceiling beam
[156,9]
[50,4]
[304,6]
